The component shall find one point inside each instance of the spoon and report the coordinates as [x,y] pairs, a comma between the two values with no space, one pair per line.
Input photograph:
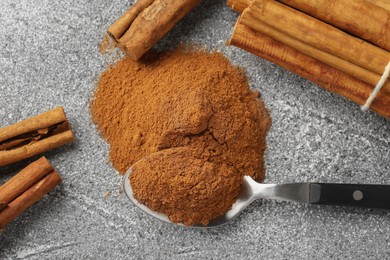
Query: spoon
[352,195]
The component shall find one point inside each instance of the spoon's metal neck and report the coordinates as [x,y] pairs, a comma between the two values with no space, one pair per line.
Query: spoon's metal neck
[297,192]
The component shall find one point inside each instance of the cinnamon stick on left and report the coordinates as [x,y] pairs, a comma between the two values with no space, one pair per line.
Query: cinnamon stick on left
[146,22]
[26,188]
[26,178]
[34,135]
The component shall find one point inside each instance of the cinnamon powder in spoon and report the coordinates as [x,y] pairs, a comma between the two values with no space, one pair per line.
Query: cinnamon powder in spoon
[194,118]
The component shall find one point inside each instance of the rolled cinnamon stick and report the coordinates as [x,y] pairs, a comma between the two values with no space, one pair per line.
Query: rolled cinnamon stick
[147,22]
[29,197]
[26,178]
[320,35]
[361,18]
[250,19]
[34,135]
[238,5]
[382,3]
[308,67]
[123,23]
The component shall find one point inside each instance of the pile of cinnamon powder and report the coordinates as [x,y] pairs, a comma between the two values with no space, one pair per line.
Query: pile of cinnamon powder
[191,118]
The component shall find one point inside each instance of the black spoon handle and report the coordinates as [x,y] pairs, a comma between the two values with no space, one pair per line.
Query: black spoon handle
[353,195]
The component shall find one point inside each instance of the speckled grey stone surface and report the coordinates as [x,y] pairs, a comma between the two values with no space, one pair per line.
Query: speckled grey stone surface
[49,56]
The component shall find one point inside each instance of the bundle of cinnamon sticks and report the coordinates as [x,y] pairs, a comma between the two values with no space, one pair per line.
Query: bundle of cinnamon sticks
[25,139]
[342,45]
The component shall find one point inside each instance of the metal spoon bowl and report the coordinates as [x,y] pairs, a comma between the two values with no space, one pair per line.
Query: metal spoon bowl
[241,203]
[129,193]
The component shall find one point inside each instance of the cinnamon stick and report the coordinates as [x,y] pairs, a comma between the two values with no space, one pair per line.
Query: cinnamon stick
[361,18]
[251,19]
[3,205]
[382,3]
[320,35]
[308,67]
[29,197]
[146,22]
[34,135]
[238,5]
[26,178]
[121,25]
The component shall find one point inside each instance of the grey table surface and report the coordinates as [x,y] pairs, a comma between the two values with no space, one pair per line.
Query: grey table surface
[49,56]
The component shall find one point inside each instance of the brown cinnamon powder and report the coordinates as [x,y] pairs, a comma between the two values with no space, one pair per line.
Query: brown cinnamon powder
[192,113]
[107,45]
[190,189]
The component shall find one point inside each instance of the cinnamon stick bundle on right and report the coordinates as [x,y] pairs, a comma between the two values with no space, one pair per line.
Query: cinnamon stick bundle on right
[320,73]
[316,47]
[318,40]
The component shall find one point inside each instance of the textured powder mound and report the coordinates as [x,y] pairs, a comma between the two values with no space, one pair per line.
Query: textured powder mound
[183,98]
[183,186]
